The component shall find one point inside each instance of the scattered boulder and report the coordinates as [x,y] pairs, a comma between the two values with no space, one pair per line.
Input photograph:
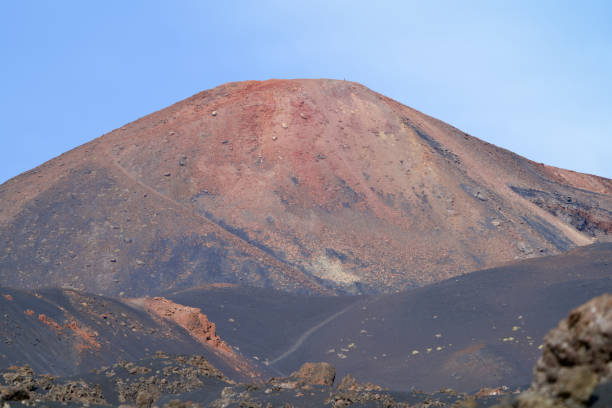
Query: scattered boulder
[481,196]
[14,394]
[22,384]
[350,383]
[77,391]
[316,374]
[19,377]
[144,399]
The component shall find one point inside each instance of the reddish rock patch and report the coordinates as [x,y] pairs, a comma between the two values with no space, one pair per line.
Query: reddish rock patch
[50,322]
[190,318]
[86,338]
[199,327]
[86,335]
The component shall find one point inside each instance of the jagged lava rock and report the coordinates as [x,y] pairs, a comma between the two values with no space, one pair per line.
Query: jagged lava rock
[315,374]
[577,355]
[576,358]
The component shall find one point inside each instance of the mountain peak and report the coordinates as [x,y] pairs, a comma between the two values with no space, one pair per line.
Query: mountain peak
[310,185]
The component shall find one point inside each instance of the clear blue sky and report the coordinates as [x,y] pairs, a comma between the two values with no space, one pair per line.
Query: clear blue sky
[531,76]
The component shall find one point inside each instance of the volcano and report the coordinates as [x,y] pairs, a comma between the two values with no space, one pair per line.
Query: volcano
[309,186]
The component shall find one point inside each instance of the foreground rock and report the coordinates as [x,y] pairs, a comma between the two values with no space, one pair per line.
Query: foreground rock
[576,358]
[140,383]
[20,384]
[191,381]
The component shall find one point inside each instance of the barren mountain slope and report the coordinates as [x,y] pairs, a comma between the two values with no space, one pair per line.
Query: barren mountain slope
[65,332]
[302,185]
[479,330]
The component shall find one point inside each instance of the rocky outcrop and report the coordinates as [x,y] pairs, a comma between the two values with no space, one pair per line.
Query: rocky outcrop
[140,383]
[22,384]
[172,381]
[308,375]
[350,383]
[315,374]
[582,213]
[576,357]
[190,318]
[200,328]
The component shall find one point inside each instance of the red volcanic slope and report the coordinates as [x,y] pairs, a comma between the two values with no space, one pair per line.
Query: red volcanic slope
[308,185]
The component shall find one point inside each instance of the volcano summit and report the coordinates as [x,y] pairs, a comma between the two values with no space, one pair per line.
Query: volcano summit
[316,186]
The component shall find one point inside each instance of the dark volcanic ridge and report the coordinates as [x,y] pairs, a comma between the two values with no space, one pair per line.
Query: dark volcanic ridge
[65,332]
[572,372]
[483,329]
[308,186]
[480,330]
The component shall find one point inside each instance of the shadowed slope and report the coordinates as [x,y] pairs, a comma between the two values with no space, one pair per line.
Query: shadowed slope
[65,332]
[479,330]
[300,185]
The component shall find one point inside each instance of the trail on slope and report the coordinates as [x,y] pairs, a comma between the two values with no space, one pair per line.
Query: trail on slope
[309,332]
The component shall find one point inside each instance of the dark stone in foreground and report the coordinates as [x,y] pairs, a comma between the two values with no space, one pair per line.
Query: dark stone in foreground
[574,370]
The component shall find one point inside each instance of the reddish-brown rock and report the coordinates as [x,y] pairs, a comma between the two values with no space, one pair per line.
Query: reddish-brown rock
[315,374]
[200,328]
[190,318]
[577,355]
